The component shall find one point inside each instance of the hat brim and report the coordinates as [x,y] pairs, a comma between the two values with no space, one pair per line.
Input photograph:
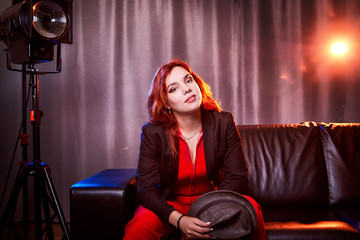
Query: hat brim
[232,216]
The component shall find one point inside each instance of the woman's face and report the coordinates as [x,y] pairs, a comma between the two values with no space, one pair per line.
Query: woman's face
[183,93]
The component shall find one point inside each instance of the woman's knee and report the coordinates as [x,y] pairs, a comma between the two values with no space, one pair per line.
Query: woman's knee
[146,225]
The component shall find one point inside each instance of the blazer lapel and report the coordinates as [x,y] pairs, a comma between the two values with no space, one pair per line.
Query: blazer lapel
[209,142]
[174,166]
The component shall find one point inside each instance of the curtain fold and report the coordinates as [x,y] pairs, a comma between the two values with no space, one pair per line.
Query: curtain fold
[266,61]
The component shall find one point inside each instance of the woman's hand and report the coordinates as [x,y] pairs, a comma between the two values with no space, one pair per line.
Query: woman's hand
[194,228]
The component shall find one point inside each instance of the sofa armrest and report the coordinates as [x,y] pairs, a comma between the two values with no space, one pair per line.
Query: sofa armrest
[101,205]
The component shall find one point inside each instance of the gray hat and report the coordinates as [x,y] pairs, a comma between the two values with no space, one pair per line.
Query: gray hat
[232,216]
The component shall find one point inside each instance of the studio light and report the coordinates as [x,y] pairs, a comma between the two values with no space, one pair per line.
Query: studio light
[339,48]
[31,28]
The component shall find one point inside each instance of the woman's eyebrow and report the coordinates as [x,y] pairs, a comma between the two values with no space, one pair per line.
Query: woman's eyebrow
[174,83]
[171,84]
[187,75]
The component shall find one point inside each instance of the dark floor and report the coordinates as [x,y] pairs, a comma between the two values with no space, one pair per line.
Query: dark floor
[58,233]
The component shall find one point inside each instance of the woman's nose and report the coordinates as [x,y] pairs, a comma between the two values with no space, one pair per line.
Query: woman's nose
[186,90]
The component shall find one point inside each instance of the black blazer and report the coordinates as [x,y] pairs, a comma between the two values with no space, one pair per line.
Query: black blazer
[158,170]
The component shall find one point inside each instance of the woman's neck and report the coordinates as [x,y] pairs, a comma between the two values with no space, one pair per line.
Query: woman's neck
[189,123]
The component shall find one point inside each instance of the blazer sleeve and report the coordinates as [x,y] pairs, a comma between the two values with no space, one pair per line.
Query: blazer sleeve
[148,178]
[234,169]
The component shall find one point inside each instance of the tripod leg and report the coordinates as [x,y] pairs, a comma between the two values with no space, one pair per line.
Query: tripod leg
[12,230]
[11,205]
[57,208]
[38,191]
[48,220]
[25,209]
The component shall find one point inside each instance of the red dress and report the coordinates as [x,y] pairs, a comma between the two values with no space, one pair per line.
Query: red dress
[192,183]
[192,179]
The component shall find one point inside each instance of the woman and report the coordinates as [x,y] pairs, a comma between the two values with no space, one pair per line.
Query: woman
[188,148]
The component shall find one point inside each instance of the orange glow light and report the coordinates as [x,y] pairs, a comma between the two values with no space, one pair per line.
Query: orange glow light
[339,48]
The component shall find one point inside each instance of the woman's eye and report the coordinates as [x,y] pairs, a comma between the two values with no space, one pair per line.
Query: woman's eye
[189,80]
[172,90]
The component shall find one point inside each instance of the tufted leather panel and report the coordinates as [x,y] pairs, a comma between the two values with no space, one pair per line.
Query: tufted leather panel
[342,155]
[286,164]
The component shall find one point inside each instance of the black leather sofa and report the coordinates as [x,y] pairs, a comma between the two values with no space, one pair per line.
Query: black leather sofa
[306,177]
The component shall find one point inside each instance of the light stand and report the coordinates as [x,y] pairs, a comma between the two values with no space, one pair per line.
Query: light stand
[44,191]
[24,138]
[31,29]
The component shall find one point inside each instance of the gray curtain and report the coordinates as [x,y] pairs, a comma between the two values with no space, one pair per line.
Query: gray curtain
[266,61]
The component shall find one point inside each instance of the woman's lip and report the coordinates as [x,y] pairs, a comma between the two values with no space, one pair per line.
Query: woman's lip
[190,99]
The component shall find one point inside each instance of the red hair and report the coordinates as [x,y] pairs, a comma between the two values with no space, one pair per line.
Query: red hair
[157,100]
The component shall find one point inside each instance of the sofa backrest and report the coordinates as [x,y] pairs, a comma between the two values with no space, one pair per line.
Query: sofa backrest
[286,164]
[341,143]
